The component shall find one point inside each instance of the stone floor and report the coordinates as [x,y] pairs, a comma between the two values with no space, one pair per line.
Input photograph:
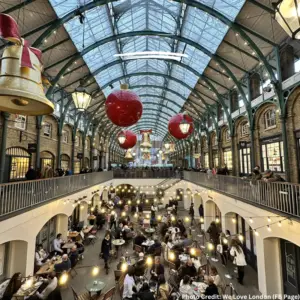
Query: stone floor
[91,258]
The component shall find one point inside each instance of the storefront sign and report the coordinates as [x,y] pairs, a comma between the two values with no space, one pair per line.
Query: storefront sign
[80,155]
[32,148]
[271,140]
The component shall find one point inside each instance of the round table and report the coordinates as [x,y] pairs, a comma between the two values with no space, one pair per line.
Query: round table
[118,243]
[150,231]
[96,286]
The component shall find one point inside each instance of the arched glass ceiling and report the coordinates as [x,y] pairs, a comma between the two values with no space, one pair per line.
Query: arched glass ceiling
[173,18]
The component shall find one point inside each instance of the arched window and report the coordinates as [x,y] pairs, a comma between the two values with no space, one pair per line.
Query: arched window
[244,129]
[214,141]
[227,135]
[270,118]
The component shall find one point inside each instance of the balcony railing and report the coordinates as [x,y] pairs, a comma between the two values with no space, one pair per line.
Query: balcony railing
[280,196]
[147,173]
[18,196]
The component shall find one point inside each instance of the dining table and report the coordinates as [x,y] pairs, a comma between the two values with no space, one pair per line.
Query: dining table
[68,245]
[87,229]
[27,291]
[73,234]
[48,267]
[95,286]
[199,288]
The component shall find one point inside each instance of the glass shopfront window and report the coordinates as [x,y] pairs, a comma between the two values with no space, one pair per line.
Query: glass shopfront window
[228,158]
[215,159]
[206,160]
[273,156]
[245,158]
[47,234]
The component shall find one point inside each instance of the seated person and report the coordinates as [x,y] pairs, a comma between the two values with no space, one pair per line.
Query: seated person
[139,239]
[80,247]
[120,263]
[157,269]
[215,276]
[212,289]
[181,226]
[65,265]
[40,255]
[163,229]
[140,265]
[100,220]
[73,256]
[163,288]
[51,286]
[145,293]
[185,288]
[13,286]
[188,269]
[57,244]
[151,249]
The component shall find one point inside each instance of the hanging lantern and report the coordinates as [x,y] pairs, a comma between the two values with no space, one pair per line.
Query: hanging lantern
[287,14]
[81,99]
[123,107]
[128,138]
[167,145]
[21,81]
[181,126]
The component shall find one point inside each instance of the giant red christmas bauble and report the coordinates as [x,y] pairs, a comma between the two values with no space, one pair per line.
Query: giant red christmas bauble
[123,107]
[174,128]
[130,139]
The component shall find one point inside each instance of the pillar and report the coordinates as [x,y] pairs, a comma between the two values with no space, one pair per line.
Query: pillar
[83,152]
[3,145]
[38,144]
[58,161]
[62,225]
[287,60]
[73,153]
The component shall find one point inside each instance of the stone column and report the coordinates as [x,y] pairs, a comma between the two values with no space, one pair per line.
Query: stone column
[3,145]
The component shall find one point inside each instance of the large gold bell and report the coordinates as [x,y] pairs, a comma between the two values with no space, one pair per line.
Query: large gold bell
[128,155]
[21,89]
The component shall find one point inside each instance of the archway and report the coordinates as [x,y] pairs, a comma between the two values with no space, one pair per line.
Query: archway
[47,158]
[65,161]
[13,258]
[17,162]
[212,213]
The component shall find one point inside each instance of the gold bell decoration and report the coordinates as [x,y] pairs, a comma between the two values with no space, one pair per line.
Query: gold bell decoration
[146,143]
[128,155]
[21,83]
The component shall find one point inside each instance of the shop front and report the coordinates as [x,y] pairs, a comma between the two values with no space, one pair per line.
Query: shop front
[290,262]
[17,162]
[244,149]
[272,154]
[47,234]
[227,158]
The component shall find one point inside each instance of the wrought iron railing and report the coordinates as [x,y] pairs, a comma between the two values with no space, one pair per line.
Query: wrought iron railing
[18,196]
[280,196]
[147,173]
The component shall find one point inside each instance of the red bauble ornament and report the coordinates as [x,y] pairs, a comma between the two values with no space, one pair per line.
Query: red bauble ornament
[174,128]
[130,139]
[123,107]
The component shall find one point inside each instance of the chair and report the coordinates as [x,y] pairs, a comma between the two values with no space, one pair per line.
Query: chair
[84,296]
[137,249]
[91,238]
[118,275]
[109,294]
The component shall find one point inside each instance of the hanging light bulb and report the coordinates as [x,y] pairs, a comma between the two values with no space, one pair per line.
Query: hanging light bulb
[173,218]
[122,138]
[193,251]
[124,267]
[269,228]
[210,246]
[172,256]
[63,278]
[269,219]
[217,220]
[225,241]
[256,232]
[241,237]
[149,261]
[159,218]
[251,220]
[95,271]
[233,220]
[201,220]
[279,224]
[186,219]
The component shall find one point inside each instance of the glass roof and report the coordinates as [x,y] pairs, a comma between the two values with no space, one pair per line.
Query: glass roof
[171,17]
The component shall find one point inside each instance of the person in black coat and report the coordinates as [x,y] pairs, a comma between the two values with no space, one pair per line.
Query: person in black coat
[157,269]
[105,249]
[192,213]
[201,211]
[140,265]
[139,239]
[73,256]
[189,269]
[211,290]
[144,293]
[31,174]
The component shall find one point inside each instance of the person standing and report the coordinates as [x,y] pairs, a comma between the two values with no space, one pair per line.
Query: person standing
[105,250]
[192,213]
[129,284]
[31,174]
[238,259]
[201,211]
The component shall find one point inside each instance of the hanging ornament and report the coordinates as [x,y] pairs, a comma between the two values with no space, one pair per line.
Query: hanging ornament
[181,126]
[21,81]
[128,155]
[123,107]
[127,139]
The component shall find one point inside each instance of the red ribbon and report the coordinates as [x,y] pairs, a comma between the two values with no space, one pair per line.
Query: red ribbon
[9,31]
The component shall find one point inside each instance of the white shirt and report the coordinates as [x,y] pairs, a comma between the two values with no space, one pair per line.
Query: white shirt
[239,257]
[185,289]
[57,245]
[39,256]
[52,284]
[128,285]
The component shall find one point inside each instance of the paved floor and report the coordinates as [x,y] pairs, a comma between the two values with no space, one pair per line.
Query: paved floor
[91,258]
